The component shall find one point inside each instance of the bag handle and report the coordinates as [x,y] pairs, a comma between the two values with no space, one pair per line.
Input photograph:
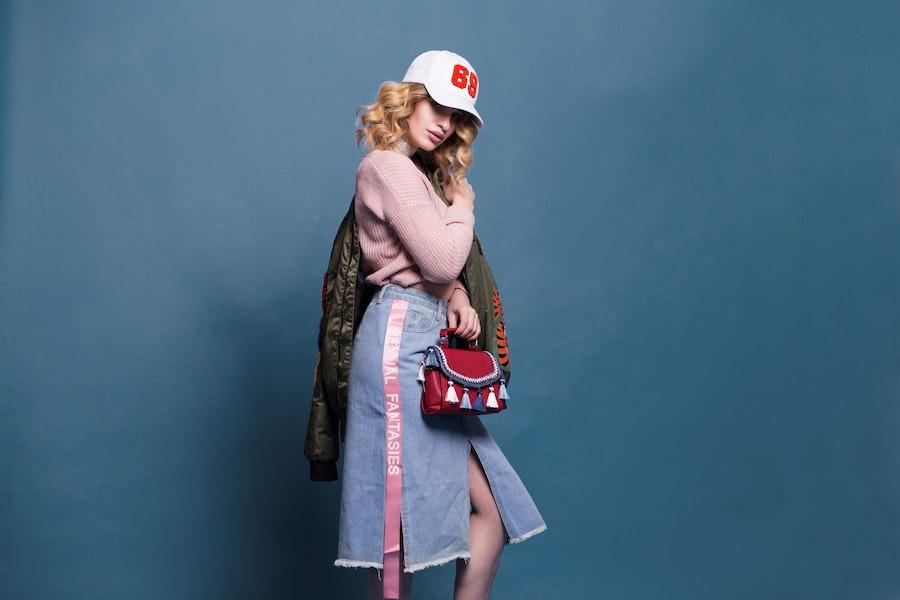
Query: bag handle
[450,340]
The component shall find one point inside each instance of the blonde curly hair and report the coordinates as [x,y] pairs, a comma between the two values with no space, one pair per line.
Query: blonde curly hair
[385,121]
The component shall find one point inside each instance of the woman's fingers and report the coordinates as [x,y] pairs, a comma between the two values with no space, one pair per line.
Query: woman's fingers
[466,321]
[460,327]
[475,328]
[468,326]
[463,329]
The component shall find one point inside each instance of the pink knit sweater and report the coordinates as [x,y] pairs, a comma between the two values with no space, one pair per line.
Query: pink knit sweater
[407,234]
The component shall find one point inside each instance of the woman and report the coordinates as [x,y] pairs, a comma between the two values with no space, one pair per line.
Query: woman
[420,490]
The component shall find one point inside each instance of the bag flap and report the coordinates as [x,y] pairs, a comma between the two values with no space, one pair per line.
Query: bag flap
[467,367]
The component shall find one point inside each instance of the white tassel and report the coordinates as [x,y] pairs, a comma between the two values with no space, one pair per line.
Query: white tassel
[503,393]
[466,403]
[451,398]
[492,399]
[422,372]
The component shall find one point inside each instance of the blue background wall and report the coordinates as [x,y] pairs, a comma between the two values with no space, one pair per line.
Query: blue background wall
[692,209]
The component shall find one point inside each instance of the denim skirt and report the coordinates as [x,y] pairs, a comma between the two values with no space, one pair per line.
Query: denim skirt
[403,467]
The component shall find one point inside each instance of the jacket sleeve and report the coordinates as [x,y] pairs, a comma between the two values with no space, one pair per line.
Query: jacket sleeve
[439,246]
[321,445]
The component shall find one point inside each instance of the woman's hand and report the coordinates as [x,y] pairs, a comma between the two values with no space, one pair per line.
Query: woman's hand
[461,194]
[461,315]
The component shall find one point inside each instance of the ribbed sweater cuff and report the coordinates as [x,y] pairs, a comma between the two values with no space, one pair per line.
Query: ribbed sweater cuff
[457,213]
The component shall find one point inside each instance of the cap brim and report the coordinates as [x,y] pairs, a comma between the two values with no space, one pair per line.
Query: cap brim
[453,104]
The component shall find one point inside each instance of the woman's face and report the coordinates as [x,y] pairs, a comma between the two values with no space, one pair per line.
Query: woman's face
[430,124]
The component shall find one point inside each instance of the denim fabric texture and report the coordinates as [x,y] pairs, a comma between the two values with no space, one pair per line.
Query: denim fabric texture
[435,504]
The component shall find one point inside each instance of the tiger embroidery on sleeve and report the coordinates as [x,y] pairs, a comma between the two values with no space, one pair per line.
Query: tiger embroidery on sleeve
[500,332]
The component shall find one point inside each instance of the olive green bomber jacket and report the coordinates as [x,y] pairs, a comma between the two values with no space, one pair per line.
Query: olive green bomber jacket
[345,295]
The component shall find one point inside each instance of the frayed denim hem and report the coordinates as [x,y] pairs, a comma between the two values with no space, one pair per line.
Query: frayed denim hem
[438,561]
[346,562]
[526,535]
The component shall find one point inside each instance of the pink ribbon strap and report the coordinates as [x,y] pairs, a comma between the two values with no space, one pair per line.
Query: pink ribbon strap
[393,447]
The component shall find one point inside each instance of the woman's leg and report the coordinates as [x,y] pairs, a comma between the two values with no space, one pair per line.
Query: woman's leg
[375,582]
[474,580]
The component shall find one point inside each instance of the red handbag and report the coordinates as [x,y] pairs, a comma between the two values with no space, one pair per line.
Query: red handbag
[460,380]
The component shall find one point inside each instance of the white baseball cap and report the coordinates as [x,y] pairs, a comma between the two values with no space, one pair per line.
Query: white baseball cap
[449,79]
